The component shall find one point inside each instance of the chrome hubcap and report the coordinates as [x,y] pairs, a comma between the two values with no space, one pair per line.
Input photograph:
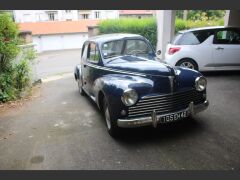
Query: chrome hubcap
[107,118]
[187,65]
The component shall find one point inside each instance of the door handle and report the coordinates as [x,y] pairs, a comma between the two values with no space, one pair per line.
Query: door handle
[219,48]
[84,65]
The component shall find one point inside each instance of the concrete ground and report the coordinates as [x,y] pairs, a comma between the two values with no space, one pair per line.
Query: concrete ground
[57,62]
[60,129]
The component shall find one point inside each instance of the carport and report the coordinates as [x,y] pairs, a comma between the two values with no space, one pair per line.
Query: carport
[166,26]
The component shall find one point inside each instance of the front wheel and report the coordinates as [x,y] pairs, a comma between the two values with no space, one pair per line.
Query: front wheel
[187,63]
[112,127]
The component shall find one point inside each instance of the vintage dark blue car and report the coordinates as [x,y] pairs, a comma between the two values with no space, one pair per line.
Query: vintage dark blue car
[121,73]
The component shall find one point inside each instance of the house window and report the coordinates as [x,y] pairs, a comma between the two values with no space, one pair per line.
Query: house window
[85,16]
[97,14]
[27,18]
[68,11]
[51,16]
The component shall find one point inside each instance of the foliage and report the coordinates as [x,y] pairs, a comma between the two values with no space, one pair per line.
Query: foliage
[202,14]
[146,27]
[15,76]
[182,25]
[8,41]
[23,69]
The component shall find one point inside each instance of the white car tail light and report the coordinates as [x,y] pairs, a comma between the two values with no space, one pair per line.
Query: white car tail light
[173,50]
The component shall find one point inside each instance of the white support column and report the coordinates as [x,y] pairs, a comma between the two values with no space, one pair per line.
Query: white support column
[166,28]
[232,18]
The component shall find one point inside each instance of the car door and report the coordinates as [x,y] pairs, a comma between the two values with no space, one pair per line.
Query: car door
[92,72]
[226,49]
[84,70]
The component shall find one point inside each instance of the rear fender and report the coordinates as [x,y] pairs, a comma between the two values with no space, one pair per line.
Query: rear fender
[77,72]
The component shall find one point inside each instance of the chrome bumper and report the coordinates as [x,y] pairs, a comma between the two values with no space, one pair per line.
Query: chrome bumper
[152,120]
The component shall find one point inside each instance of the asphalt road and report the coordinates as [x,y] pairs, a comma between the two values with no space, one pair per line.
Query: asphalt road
[62,130]
[57,62]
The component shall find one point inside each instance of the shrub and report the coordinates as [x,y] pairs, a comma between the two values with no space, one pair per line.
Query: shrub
[15,76]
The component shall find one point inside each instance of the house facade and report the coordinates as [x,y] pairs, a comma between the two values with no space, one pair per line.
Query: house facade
[58,35]
[24,16]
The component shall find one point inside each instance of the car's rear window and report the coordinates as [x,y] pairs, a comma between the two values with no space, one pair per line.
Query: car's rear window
[176,38]
[192,38]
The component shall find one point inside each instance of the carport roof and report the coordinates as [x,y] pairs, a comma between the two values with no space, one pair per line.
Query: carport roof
[57,27]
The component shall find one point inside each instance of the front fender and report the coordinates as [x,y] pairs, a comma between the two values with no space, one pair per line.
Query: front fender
[113,86]
[186,77]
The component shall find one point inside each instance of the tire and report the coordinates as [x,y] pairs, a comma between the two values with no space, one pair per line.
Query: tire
[111,123]
[80,89]
[188,63]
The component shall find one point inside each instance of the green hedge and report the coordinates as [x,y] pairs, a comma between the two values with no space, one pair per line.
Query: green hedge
[147,27]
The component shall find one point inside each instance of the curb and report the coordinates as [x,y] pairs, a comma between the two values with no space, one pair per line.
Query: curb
[53,78]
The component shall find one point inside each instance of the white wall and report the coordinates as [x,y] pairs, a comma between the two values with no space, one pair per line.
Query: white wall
[29,15]
[59,41]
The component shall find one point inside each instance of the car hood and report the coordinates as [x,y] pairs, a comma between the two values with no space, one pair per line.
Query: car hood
[140,65]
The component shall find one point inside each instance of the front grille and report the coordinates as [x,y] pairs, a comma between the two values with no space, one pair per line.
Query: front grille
[164,103]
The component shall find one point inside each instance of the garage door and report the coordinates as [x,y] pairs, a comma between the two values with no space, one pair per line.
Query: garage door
[59,42]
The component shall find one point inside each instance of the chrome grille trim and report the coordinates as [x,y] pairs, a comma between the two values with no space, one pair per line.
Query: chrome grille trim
[164,103]
[164,100]
[166,95]
[158,106]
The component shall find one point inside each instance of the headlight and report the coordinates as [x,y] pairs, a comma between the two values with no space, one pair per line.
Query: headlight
[200,83]
[129,97]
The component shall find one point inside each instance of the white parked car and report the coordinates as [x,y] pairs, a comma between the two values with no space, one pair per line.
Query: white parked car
[206,49]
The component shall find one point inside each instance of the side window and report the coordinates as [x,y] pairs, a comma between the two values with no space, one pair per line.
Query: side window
[84,51]
[194,38]
[189,39]
[227,37]
[93,53]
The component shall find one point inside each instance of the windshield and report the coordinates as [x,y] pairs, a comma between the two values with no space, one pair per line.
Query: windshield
[135,47]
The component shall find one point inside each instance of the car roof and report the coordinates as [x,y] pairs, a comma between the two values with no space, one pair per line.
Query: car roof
[110,37]
[208,28]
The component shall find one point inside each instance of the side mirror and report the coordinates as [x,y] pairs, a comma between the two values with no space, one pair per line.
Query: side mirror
[159,52]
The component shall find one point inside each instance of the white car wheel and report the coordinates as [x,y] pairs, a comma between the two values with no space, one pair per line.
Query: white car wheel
[187,65]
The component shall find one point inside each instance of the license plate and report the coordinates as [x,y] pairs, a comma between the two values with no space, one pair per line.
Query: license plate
[174,116]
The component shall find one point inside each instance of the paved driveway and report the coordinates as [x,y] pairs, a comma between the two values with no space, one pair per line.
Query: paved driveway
[57,62]
[62,130]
